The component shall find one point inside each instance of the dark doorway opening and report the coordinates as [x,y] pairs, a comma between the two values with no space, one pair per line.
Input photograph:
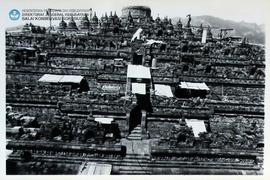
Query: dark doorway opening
[135,118]
[137,59]
[144,101]
[188,93]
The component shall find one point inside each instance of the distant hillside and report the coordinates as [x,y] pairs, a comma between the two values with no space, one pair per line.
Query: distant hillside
[255,33]
[15,28]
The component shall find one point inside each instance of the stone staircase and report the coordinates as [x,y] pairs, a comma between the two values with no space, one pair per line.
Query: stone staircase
[136,161]
[136,133]
[135,164]
[260,160]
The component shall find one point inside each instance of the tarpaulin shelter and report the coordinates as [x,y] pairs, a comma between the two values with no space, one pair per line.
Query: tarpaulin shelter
[103,120]
[197,126]
[137,34]
[138,71]
[191,85]
[138,88]
[163,90]
[139,83]
[92,168]
[76,81]
[190,89]
[152,41]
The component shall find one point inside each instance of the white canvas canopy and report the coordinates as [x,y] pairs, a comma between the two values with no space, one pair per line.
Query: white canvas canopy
[197,126]
[14,129]
[138,71]
[118,59]
[163,90]
[152,41]
[111,88]
[27,118]
[52,78]
[8,152]
[136,35]
[138,88]
[104,120]
[71,79]
[92,168]
[197,86]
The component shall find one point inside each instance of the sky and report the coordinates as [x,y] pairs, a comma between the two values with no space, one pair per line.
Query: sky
[253,11]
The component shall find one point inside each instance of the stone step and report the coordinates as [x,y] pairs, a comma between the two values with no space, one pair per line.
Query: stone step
[133,155]
[135,135]
[118,163]
[134,138]
[137,128]
[57,116]
[136,131]
[137,167]
[134,162]
[132,172]
[136,159]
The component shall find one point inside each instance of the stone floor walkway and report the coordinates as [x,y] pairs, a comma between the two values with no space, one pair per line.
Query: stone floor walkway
[140,147]
[137,157]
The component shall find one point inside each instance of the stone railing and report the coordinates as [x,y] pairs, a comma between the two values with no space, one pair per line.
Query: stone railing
[68,149]
[245,108]
[41,98]
[217,157]
[178,111]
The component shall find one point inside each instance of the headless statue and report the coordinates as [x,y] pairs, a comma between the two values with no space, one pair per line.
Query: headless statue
[189,20]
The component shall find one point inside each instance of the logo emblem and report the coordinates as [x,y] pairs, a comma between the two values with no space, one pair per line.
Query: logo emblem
[14,14]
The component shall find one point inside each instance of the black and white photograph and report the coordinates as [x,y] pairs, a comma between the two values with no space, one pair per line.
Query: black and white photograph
[134,87]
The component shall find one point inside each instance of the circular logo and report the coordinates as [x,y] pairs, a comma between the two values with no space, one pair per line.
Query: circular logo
[14,14]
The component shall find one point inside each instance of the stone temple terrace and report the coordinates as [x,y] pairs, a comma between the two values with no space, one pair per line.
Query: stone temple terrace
[131,94]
